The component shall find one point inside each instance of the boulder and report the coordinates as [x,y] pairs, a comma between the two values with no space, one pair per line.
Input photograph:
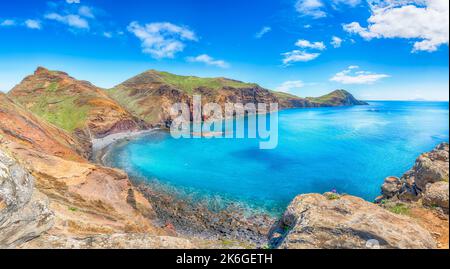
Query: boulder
[24,212]
[436,194]
[317,221]
[391,186]
[431,167]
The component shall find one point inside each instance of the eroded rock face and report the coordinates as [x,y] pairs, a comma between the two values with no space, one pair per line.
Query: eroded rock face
[24,212]
[436,194]
[428,179]
[333,221]
[114,241]
[87,199]
[431,167]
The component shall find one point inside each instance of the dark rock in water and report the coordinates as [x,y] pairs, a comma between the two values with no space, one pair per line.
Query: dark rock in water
[391,186]
[24,212]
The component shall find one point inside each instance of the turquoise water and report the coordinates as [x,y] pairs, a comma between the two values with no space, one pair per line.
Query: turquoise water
[350,149]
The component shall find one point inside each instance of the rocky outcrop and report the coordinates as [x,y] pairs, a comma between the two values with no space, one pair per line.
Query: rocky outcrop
[24,211]
[114,241]
[436,195]
[86,198]
[334,221]
[428,179]
[429,168]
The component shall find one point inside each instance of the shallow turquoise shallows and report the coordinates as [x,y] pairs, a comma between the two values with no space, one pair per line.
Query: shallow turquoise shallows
[350,150]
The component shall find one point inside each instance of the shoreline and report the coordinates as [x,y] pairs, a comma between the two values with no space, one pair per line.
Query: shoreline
[190,217]
[100,146]
[101,143]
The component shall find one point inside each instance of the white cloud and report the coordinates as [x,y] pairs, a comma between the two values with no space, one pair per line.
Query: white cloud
[33,24]
[310,8]
[318,8]
[162,39]
[303,55]
[427,21]
[107,34]
[263,31]
[8,23]
[351,76]
[305,44]
[336,41]
[208,60]
[288,86]
[71,20]
[298,56]
[352,3]
[86,11]
[76,17]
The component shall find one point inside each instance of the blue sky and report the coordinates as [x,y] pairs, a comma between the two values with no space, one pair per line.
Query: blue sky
[377,49]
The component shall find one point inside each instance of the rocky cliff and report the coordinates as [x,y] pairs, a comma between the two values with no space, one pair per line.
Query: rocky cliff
[68,218]
[78,107]
[24,211]
[86,111]
[43,175]
[412,213]
[426,182]
[151,94]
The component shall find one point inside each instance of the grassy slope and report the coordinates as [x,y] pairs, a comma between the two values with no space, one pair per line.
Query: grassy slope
[134,103]
[331,98]
[283,95]
[58,108]
[186,84]
[189,83]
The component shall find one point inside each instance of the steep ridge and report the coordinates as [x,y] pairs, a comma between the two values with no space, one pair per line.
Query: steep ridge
[22,127]
[151,94]
[77,107]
